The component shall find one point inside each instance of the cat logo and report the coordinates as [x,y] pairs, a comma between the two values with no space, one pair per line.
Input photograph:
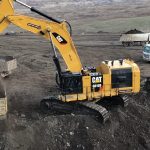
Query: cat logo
[34,26]
[96,79]
[96,82]
[59,38]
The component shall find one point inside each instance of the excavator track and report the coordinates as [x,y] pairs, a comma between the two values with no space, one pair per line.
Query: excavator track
[103,113]
[54,104]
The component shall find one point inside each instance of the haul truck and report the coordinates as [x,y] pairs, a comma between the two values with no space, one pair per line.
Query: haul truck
[134,37]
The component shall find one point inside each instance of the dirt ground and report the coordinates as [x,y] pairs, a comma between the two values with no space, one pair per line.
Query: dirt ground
[27,128]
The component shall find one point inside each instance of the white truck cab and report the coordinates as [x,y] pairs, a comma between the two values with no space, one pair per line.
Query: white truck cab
[146,52]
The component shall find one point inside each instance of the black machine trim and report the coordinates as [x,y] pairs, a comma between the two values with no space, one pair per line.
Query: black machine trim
[44,15]
[59,38]
[71,83]
[121,78]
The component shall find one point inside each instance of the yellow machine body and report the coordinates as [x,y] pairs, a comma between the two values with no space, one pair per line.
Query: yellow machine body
[111,78]
[107,88]
[40,27]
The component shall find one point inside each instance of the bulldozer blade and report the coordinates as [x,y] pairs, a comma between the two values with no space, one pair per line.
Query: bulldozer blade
[6,9]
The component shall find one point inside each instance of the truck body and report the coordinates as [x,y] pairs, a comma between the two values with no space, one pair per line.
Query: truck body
[134,38]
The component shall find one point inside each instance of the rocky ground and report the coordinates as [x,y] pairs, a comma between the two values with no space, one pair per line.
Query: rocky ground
[28,128]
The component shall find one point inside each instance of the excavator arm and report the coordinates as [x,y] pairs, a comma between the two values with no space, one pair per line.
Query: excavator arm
[6,9]
[59,34]
[50,30]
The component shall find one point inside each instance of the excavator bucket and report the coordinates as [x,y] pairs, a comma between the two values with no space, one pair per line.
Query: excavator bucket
[6,8]
[3,101]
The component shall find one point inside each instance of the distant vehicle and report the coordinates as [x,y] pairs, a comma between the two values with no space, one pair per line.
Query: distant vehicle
[146,52]
[134,37]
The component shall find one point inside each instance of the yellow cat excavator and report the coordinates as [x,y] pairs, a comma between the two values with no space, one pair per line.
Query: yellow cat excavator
[83,85]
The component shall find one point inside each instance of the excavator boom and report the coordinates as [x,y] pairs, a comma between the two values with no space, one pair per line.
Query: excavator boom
[6,9]
[60,36]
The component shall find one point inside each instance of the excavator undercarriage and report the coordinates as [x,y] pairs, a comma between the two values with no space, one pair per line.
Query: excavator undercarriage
[99,109]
